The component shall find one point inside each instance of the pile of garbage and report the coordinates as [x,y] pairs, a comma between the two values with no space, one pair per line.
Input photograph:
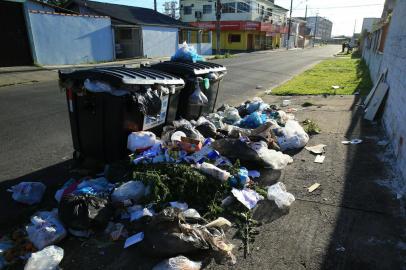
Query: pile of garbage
[186,53]
[180,189]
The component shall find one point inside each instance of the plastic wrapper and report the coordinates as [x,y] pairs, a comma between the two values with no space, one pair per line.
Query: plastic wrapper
[28,192]
[273,159]
[45,229]
[140,140]
[248,197]
[149,101]
[131,190]
[231,115]
[292,136]
[186,53]
[213,171]
[278,193]
[198,97]
[178,263]
[46,259]
[253,120]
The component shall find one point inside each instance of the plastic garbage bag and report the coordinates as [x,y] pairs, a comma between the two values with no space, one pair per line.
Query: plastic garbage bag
[84,211]
[179,205]
[103,87]
[216,119]
[257,104]
[131,190]
[253,120]
[186,127]
[231,115]
[149,101]
[241,179]
[170,234]
[5,244]
[273,159]
[46,259]
[191,213]
[178,263]
[186,53]
[97,186]
[278,193]
[198,97]
[293,136]
[213,171]
[140,140]
[206,128]
[45,229]
[248,197]
[28,192]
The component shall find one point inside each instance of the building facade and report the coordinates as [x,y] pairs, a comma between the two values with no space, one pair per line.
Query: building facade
[368,24]
[320,28]
[245,25]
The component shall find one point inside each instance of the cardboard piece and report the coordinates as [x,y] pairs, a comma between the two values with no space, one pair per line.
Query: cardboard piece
[317,149]
[319,159]
[376,101]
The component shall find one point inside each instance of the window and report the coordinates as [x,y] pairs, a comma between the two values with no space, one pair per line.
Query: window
[126,34]
[206,9]
[228,7]
[234,38]
[243,7]
[187,10]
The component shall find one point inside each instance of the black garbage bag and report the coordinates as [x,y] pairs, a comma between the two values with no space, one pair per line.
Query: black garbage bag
[169,234]
[148,101]
[84,211]
[207,129]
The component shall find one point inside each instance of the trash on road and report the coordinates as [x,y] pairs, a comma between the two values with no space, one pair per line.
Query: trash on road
[178,263]
[249,198]
[45,229]
[134,239]
[278,193]
[317,149]
[313,187]
[130,191]
[319,159]
[311,127]
[186,53]
[28,192]
[353,141]
[140,140]
[286,102]
[335,86]
[45,259]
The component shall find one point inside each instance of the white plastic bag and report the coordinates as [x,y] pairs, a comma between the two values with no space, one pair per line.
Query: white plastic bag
[273,159]
[198,97]
[46,259]
[278,193]
[45,229]
[231,115]
[140,140]
[248,197]
[293,136]
[28,192]
[178,263]
[213,171]
[131,190]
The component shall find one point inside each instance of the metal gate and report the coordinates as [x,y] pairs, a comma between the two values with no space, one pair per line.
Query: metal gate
[14,45]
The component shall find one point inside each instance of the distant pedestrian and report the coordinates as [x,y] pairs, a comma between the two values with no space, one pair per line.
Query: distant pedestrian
[343,46]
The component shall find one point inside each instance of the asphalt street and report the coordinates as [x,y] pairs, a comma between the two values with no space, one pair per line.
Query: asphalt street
[34,124]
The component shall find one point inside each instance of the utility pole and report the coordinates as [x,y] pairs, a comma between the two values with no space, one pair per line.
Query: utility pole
[155,5]
[306,14]
[290,24]
[218,27]
[315,29]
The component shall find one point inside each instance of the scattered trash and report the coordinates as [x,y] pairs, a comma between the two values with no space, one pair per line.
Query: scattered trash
[268,92]
[340,249]
[134,239]
[178,263]
[382,142]
[141,213]
[285,102]
[168,234]
[179,205]
[353,141]
[46,259]
[313,187]
[335,86]
[129,191]
[28,192]
[249,198]
[190,145]
[319,158]
[213,171]
[191,213]
[317,149]
[271,158]
[140,140]
[278,193]
[45,229]
[116,231]
[84,211]
[259,87]
[293,136]
[254,174]
[240,179]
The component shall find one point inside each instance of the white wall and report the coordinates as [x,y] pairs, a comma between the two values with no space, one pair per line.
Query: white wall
[159,41]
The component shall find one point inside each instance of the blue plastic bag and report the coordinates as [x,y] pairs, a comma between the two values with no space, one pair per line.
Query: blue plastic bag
[186,53]
[240,179]
[253,120]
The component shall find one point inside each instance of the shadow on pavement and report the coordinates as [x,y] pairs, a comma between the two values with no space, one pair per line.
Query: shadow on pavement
[14,214]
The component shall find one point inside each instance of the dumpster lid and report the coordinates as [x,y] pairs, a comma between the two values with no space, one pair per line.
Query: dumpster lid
[123,75]
[198,68]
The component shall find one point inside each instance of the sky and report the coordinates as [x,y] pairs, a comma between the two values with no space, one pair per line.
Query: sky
[343,13]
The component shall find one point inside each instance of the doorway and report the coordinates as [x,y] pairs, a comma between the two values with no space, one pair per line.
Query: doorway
[128,42]
[250,42]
